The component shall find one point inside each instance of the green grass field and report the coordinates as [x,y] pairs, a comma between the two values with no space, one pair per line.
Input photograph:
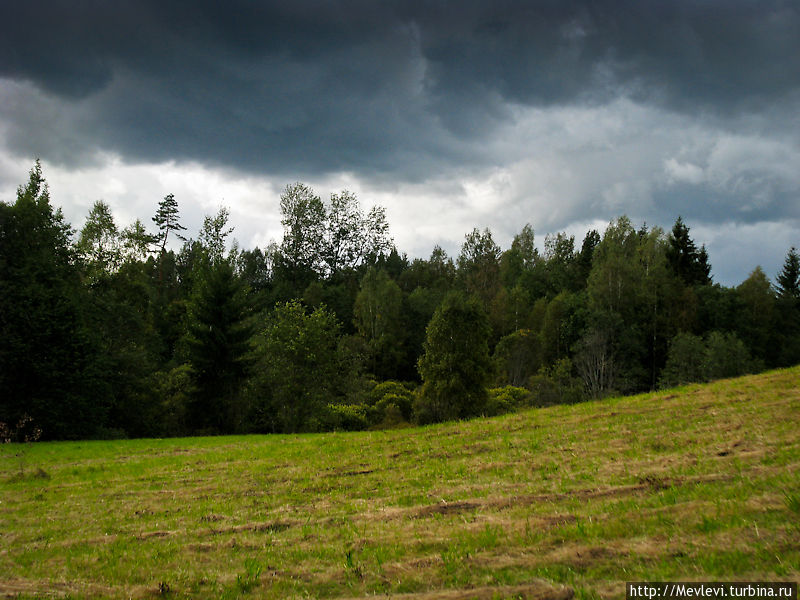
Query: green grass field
[698,483]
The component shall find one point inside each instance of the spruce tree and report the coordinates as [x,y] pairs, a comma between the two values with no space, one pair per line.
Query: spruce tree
[788,305]
[789,277]
[686,261]
[218,349]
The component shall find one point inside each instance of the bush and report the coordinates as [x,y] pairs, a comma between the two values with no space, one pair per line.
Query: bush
[390,404]
[517,356]
[506,399]
[345,417]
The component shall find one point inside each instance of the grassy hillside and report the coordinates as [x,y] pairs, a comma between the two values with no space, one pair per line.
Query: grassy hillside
[698,483]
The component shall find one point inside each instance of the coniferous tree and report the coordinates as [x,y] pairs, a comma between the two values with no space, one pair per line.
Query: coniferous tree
[218,347]
[48,365]
[788,283]
[788,310]
[167,220]
[686,261]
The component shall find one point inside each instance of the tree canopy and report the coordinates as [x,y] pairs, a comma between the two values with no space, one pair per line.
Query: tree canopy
[116,330]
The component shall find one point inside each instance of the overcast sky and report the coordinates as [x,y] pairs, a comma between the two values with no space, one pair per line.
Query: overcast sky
[452,115]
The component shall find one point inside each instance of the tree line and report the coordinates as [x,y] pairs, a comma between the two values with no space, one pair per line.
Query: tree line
[108,332]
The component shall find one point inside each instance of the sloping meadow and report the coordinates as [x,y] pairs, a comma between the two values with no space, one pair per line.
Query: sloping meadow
[697,483]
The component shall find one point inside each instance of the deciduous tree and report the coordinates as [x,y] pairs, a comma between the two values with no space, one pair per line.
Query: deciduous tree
[455,367]
[298,370]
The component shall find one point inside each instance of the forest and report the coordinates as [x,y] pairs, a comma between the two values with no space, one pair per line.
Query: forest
[108,332]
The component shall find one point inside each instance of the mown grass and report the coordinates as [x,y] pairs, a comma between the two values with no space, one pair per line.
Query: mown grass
[700,483]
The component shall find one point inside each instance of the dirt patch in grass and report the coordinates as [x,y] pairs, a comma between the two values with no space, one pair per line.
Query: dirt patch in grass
[448,508]
[272,527]
[647,483]
[581,557]
[154,534]
[353,473]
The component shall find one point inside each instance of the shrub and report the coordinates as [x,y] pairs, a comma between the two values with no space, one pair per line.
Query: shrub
[392,396]
[345,417]
[506,399]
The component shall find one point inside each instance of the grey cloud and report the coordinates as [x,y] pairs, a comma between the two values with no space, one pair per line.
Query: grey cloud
[392,87]
[452,114]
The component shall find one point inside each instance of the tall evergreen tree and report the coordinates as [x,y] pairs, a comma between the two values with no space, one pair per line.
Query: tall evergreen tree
[47,361]
[166,219]
[788,283]
[788,306]
[686,261]
[218,343]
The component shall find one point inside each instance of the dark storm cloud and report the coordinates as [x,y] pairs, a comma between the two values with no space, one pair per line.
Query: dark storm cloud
[370,87]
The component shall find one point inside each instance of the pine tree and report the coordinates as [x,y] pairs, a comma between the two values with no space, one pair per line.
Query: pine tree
[166,218]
